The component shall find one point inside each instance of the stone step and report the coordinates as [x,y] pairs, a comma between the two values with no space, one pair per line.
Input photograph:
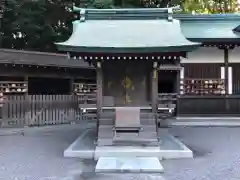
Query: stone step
[127,151]
[141,134]
[136,140]
[120,134]
[146,130]
[101,142]
[125,136]
[149,135]
[110,141]
[111,122]
[128,165]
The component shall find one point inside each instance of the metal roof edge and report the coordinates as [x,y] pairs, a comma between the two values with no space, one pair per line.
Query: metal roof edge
[181,17]
[207,17]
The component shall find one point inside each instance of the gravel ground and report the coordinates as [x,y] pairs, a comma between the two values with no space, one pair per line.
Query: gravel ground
[39,155]
[216,150]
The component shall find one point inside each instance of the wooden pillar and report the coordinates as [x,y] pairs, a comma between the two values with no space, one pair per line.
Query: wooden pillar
[154,88]
[99,90]
[226,57]
[230,80]
[180,91]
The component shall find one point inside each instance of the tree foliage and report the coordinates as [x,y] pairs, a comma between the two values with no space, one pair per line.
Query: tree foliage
[37,24]
[34,25]
[210,6]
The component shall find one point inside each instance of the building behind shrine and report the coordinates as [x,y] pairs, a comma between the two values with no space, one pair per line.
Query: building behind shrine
[208,82]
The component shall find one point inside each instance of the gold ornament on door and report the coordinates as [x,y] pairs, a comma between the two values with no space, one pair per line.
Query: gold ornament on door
[128,85]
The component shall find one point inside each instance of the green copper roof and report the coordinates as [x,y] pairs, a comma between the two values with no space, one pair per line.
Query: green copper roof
[211,31]
[148,30]
[122,36]
[126,36]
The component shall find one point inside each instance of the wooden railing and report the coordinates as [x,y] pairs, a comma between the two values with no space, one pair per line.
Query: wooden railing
[209,105]
[87,99]
[37,110]
[166,104]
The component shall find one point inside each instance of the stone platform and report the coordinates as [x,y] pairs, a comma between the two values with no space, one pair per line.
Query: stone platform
[169,148]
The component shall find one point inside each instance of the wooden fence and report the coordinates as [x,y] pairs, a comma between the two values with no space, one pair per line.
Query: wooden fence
[37,110]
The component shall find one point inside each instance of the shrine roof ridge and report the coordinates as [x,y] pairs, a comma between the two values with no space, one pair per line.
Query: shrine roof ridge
[125,13]
[150,13]
[127,10]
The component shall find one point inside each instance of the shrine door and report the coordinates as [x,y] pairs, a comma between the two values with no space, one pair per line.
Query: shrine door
[126,81]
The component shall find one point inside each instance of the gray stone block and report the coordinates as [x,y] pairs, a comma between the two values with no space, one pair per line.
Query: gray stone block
[127,151]
[130,165]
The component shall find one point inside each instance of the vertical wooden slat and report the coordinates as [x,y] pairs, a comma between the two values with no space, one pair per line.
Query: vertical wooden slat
[45,104]
[35,110]
[19,110]
[14,102]
[32,109]
[57,110]
[31,104]
[51,98]
[51,109]
[64,103]
[13,115]
[47,110]
[202,70]
[54,110]
[41,109]
[29,114]
[5,109]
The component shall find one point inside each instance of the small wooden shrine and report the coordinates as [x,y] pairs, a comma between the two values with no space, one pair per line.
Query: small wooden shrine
[143,73]
[130,54]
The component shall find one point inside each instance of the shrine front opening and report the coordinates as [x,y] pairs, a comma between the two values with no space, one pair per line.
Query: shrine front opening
[167,81]
[127,81]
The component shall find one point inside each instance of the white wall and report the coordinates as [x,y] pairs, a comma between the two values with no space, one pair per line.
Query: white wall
[234,55]
[205,55]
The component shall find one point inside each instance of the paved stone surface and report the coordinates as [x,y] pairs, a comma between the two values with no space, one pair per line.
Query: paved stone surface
[39,156]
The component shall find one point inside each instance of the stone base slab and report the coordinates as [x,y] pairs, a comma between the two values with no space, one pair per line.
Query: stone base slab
[169,148]
[128,165]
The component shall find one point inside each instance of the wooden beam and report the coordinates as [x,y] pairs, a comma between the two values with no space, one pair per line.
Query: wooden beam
[170,67]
